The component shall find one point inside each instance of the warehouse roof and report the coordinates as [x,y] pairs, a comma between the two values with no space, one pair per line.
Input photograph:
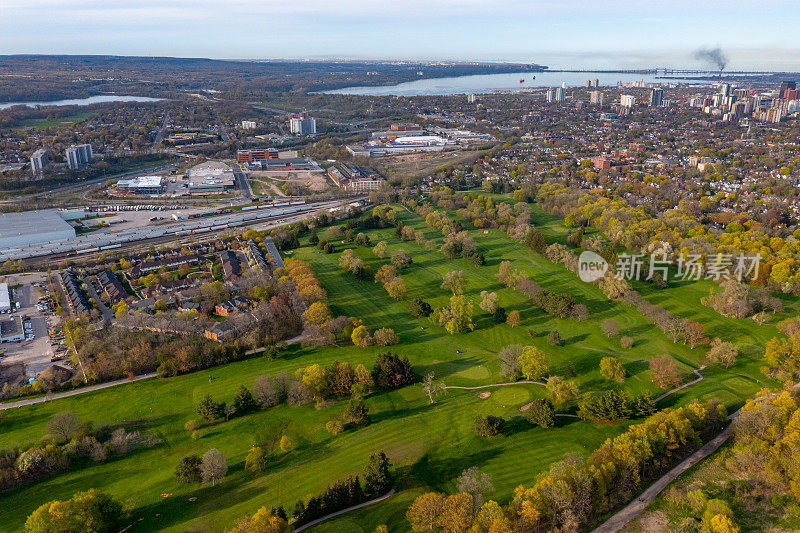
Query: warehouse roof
[32,223]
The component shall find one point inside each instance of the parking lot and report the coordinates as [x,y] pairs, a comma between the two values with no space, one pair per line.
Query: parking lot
[35,351]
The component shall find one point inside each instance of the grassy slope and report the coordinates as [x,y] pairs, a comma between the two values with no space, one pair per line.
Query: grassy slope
[430,443]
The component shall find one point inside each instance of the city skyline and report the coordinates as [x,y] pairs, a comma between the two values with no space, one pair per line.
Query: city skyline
[570,34]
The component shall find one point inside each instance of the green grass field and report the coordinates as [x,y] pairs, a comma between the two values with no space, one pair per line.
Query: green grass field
[428,444]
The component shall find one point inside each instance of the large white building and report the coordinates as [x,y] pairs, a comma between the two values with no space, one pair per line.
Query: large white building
[5,298]
[79,155]
[39,160]
[211,176]
[141,185]
[18,230]
[596,97]
[627,100]
[303,125]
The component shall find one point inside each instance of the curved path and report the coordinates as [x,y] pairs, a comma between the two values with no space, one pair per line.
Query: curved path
[676,389]
[337,513]
[75,392]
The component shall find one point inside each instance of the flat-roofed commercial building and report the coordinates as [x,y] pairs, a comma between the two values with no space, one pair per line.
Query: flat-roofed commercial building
[11,330]
[244,156]
[211,176]
[5,298]
[141,185]
[33,227]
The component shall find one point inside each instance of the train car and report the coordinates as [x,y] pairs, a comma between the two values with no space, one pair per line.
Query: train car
[88,250]
[250,207]
[221,226]
[110,246]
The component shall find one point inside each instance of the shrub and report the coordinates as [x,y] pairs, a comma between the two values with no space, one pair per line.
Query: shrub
[626,342]
[334,427]
[611,368]
[554,338]
[256,460]
[188,469]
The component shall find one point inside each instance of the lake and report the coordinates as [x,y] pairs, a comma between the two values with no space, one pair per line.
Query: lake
[100,99]
[486,83]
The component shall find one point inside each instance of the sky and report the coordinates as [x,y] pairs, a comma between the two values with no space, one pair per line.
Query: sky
[560,33]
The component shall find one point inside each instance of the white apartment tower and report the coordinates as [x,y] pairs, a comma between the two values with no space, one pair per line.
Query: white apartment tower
[79,155]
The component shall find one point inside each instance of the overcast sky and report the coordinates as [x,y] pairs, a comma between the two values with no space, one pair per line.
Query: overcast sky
[559,33]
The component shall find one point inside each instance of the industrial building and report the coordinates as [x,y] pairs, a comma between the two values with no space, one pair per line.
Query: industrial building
[211,176]
[11,330]
[79,155]
[141,185]
[355,178]
[5,298]
[289,163]
[18,230]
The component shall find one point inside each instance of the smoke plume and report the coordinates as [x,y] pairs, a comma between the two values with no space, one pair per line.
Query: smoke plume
[712,56]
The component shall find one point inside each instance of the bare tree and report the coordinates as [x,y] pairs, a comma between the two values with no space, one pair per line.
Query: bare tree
[64,425]
[475,483]
[214,466]
[432,389]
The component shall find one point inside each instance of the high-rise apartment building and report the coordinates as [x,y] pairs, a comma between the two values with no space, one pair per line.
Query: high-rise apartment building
[627,100]
[39,160]
[596,97]
[656,97]
[302,124]
[79,155]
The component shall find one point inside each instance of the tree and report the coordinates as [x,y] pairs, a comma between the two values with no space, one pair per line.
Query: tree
[188,469]
[541,413]
[509,361]
[561,391]
[256,460]
[356,412]
[665,371]
[385,337]
[400,259]
[419,308]
[263,522]
[424,512]
[457,513]
[432,389]
[64,425]
[244,402]
[489,302]
[385,274]
[266,392]
[160,305]
[722,353]
[554,338]
[86,512]
[513,319]
[488,426]
[361,336]
[611,368]
[286,444]
[334,427]
[475,483]
[317,379]
[626,342]
[377,477]
[227,411]
[214,466]
[610,327]
[454,281]
[694,333]
[533,363]
[392,372]
[396,288]
[122,309]
[318,313]
[499,315]
[208,409]
[380,249]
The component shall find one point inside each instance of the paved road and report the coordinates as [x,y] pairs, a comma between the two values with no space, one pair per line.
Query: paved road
[337,513]
[82,390]
[107,314]
[242,181]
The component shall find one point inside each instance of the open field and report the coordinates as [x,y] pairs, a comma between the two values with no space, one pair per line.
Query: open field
[428,444]
[424,164]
